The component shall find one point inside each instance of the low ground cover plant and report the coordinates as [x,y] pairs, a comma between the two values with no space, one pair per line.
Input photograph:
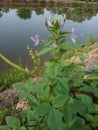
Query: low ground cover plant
[65,97]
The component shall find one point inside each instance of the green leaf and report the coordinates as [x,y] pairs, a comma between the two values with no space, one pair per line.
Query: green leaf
[66,126]
[93,109]
[78,125]
[60,100]
[25,88]
[94,122]
[85,98]
[4,128]
[66,46]
[22,128]
[77,106]
[39,86]
[42,109]
[49,40]
[19,86]
[93,119]
[29,82]
[65,63]
[90,89]
[87,128]
[67,115]
[13,122]
[69,46]
[30,128]
[23,96]
[89,117]
[52,68]
[45,91]
[64,33]
[41,89]
[62,83]
[45,50]
[54,119]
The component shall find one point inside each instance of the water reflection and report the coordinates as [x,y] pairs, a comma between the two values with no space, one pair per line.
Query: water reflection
[18,24]
[74,14]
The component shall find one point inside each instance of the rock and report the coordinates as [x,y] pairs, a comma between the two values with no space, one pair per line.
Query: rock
[91,58]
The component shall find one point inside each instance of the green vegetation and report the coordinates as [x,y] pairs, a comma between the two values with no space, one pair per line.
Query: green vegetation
[64,98]
[12,76]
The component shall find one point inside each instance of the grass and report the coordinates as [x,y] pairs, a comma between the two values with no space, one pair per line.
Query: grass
[12,76]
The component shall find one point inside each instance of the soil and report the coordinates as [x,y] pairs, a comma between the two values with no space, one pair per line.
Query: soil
[91,58]
[8,96]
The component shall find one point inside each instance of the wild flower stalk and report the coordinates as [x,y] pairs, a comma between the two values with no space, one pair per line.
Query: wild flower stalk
[34,54]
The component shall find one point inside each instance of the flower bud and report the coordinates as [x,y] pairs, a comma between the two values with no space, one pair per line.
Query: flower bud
[51,19]
[57,21]
[64,17]
[54,45]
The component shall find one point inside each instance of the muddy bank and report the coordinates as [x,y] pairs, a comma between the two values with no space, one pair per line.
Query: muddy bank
[50,4]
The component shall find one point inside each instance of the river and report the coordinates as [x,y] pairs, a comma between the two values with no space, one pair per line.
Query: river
[18,24]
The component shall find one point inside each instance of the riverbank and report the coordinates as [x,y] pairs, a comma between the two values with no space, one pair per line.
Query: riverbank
[90,64]
[65,4]
[75,76]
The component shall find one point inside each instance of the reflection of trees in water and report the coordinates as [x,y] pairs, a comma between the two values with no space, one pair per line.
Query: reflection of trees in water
[39,10]
[80,15]
[74,14]
[3,10]
[24,13]
[56,10]
[1,13]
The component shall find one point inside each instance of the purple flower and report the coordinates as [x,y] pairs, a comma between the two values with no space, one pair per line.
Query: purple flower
[36,40]
[49,24]
[73,35]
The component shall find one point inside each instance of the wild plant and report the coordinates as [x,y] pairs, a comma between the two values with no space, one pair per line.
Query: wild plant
[64,98]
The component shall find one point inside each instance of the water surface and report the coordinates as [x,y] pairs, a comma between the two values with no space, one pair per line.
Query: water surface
[17,25]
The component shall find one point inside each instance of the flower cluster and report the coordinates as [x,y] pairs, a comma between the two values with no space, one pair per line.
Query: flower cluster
[52,25]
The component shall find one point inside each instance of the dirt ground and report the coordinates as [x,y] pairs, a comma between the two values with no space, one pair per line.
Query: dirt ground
[8,96]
